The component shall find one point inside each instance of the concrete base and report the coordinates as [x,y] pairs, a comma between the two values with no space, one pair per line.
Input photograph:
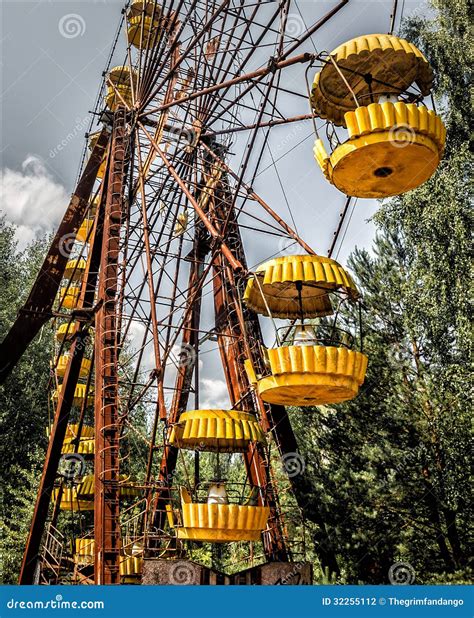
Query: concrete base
[187,573]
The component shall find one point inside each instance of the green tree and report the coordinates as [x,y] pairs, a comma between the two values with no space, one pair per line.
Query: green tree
[23,405]
[390,469]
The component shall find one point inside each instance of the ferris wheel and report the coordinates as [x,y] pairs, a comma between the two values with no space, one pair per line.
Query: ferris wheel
[148,289]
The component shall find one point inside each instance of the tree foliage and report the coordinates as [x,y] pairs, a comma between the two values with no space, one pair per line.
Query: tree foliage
[390,468]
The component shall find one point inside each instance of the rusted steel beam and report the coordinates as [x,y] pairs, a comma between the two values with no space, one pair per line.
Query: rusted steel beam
[236,265]
[270,123]
[262,203]
[37,309]
[258,74]
[107,430]
[53,455]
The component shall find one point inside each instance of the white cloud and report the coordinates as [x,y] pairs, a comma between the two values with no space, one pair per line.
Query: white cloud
[31,199]
[213,394]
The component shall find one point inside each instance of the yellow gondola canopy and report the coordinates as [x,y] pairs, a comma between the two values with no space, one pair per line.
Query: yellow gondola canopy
[393,64]
[84,232]
[86,441]
[220,523]
[67,330]
[79,395]
[144,19]
[216,430]
[128,489]
[69,296]
[122,79]
[283,279]
[62,362]
[310,375]
[75,269]
[392,148]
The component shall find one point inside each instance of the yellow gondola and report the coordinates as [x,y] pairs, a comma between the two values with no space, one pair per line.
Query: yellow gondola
[216,430]
[69,296]
[62,362]
[86,442]
[392,146]
[79,395]
[66,331]
[122,79]
[220,523]
[144,24]
[289,285]
[84,551]
[130,565]
[306,375]
[70,500]
[75,269]
[84,232]
[86,487]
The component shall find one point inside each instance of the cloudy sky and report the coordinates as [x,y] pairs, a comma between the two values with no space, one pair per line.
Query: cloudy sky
[53,56]
[51,72]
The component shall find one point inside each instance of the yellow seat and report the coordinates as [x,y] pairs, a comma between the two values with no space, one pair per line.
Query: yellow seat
[216,430]
[69,297]
[62,365]
[392,148]
[131,568]
[84,232]
[122,78]
[75,269]
[221,523]
[144,19]
[86,442]
[278,279]
[79,395]
[310,375]
[86,488]
[84,551]
[66,331]
[70,500]
[391,60]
